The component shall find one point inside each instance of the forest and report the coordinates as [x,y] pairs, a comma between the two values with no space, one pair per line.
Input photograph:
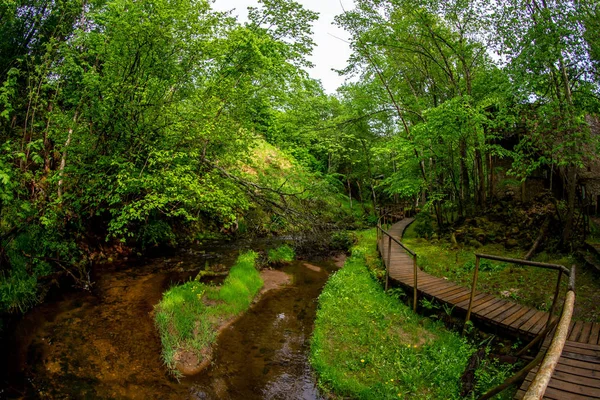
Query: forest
[130,127]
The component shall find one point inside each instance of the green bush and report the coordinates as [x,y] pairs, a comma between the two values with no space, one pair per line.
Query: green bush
[281,254]
[18,291]
[342,241]
[424,225]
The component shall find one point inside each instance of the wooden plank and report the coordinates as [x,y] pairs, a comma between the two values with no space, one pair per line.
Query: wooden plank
[589,358]
[478,298]
[438,283]
[577,379]
[570,389]
[579,364]
[506,306]
[585,332]
[594,333]
[516,308]
[580,345]
[485,308]
[513,317]
[577,328]
[453,289]
[432,290]
[522,320]
[540,325]
[585,372]
[532,321]
[442,293]
[459,296]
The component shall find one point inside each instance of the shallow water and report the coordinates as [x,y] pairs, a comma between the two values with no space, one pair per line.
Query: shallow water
[104,344]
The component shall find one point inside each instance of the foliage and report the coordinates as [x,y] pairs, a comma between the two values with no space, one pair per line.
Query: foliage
[143,125]
[282,254]
[367,344]
[342,240]
[189,315]
[424,225]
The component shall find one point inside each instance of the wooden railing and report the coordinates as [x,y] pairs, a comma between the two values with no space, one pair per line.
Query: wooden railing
[390,213]
[560,268]
[538,386]
[548,359]
[381,234]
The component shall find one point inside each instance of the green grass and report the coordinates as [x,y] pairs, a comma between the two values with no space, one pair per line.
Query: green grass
[530,286]
[281,254]
[189,315]
[369,345]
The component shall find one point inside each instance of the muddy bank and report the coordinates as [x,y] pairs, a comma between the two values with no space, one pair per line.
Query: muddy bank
[104,344]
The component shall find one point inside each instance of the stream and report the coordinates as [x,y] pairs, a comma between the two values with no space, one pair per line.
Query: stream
[104,345]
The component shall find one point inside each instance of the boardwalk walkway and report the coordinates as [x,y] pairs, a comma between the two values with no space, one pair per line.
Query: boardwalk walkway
[578,373]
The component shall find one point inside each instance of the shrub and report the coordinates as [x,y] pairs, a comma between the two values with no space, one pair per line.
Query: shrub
[484,265]
[281,254]
[424,225]
[342,241]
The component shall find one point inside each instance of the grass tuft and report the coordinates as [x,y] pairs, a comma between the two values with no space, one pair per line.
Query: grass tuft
[281,254]
[189,315]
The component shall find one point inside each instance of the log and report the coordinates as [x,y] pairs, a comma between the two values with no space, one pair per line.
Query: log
[543,232]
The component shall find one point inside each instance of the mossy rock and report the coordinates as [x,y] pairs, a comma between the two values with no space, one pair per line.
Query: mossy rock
[474,243]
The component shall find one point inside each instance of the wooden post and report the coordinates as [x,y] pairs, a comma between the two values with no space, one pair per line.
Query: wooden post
[555,299]
[415,283]
[387,276]
[475,273]
[389,259]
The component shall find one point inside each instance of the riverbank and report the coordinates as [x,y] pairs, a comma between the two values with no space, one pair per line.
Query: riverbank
[369,345]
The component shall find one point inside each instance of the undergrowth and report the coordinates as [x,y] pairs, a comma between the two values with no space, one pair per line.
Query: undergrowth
[281,254]
[369,345]
[189,315]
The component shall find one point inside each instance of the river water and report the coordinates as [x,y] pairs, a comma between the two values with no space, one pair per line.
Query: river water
[104,345]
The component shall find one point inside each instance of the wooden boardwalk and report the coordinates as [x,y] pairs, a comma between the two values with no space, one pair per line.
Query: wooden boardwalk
[578,373]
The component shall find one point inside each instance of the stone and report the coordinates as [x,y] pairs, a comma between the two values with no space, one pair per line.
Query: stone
[474,243]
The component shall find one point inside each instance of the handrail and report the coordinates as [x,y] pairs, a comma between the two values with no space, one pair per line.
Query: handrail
[538,386]
[525,262]
[409,251]
[560,268]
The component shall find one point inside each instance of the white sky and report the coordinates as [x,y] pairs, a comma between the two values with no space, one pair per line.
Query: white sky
[329,51]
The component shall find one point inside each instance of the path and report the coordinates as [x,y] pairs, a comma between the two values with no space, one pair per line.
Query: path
[578,372]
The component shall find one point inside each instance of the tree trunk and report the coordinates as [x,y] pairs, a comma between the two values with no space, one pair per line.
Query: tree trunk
[571,191]
[63,159]
[539,239]
[464,175]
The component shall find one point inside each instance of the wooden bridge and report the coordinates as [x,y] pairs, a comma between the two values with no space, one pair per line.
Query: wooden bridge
[575,373]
